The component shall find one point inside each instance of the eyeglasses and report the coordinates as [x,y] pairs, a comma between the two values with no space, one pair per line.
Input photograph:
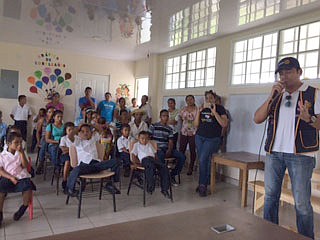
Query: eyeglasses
[288,103]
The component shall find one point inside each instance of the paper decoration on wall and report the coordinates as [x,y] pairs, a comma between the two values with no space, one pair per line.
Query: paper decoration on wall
[49,59]
[123,91]
[55,16]
[50,78]
[126,26]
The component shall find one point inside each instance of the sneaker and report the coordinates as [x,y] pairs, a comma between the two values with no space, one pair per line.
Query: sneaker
[126,172]
[165,194]
[112,189]
[202,191]
[72,193]
[174,182]
[18,214]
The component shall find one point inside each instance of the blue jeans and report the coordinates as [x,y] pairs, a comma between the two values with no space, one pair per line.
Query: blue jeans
[205,148]
[43,149]
[300,171]
[93,167]
[54,152]
[181,158]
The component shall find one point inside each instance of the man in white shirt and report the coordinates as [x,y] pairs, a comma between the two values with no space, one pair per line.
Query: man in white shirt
[137,125]
[292,141]
[21,114]
[88,161]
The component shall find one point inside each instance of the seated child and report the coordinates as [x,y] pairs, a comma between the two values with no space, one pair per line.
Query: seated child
[66,141]
[14,174]
[123,143]
[88,161]
[41,114]
[3,130]
[145,153]
[106,139]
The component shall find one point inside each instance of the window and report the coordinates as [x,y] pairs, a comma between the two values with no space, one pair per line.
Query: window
[145,31]
[195,69]
[297,3]
[302,42]
[254,59]
[252,10]
[197,21]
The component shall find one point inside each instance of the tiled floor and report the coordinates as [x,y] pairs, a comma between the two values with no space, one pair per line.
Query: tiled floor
[53,216]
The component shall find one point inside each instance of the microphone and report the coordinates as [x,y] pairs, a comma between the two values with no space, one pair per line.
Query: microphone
[275,93]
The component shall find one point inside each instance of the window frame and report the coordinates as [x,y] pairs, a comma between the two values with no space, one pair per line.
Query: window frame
[278,55]
[188,70]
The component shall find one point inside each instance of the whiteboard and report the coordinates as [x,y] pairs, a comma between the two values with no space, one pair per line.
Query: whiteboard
[244,134]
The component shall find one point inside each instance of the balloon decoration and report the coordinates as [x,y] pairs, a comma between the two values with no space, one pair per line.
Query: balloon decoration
[55,17]
[51,79]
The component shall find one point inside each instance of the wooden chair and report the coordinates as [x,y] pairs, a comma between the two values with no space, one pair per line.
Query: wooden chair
[94,176]
[138,169]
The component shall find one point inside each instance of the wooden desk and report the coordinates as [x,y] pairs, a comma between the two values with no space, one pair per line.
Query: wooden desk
[242,160]
[194,224]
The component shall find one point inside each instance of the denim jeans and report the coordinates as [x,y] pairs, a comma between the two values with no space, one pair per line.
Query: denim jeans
[54,152]
[93,167]
[205,148]
[300,171]
[125,159]
[43,149]
[181,158]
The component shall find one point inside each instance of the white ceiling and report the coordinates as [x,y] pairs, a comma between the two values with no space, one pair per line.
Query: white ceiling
[25,30]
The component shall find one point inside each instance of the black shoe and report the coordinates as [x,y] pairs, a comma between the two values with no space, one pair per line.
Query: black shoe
[64,185]
[39,170]
[112,189]
[202,191]
[126,172]
[189,173]
[73,193]
[1,218]
[165,194]
[174,182]
[18,214]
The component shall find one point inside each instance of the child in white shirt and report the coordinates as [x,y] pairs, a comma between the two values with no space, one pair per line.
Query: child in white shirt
[144,153]
[65,142]
[14,174]
[88,161]
[123,143]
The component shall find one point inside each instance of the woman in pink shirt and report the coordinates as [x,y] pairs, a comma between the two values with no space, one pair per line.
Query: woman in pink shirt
[14,174]
[55,102]
[188,130]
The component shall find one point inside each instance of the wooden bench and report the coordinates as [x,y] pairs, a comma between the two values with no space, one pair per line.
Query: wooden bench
[286,196]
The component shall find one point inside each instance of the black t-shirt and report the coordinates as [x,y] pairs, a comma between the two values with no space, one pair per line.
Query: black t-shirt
[208,125]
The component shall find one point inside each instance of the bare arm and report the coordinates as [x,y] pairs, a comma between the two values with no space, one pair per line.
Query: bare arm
[49,140]
[5,174]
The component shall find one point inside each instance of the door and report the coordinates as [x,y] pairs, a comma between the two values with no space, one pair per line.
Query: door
[98,83]
[141,88]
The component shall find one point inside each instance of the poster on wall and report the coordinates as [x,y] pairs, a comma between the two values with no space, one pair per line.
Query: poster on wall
[50,77]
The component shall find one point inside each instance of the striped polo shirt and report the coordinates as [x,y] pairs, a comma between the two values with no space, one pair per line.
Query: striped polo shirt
[161,134]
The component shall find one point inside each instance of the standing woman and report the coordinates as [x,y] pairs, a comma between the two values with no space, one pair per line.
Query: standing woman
[55,102]
[188,115]
[147,108]
[173,120]
[54,132]
[210,120]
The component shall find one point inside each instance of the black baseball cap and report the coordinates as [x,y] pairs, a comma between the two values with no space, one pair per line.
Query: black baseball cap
[287,63]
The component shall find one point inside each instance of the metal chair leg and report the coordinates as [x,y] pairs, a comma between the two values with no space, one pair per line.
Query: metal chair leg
[113,196]
[144,188]
[101,185]
[80,199]
[133,172]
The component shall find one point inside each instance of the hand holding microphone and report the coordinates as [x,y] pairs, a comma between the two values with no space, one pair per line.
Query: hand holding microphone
[277,89]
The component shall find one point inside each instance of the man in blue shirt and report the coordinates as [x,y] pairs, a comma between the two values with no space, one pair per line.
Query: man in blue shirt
[106,108]
[87,101]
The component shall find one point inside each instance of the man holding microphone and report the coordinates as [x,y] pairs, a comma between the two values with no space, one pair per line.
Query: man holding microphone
[292,110]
